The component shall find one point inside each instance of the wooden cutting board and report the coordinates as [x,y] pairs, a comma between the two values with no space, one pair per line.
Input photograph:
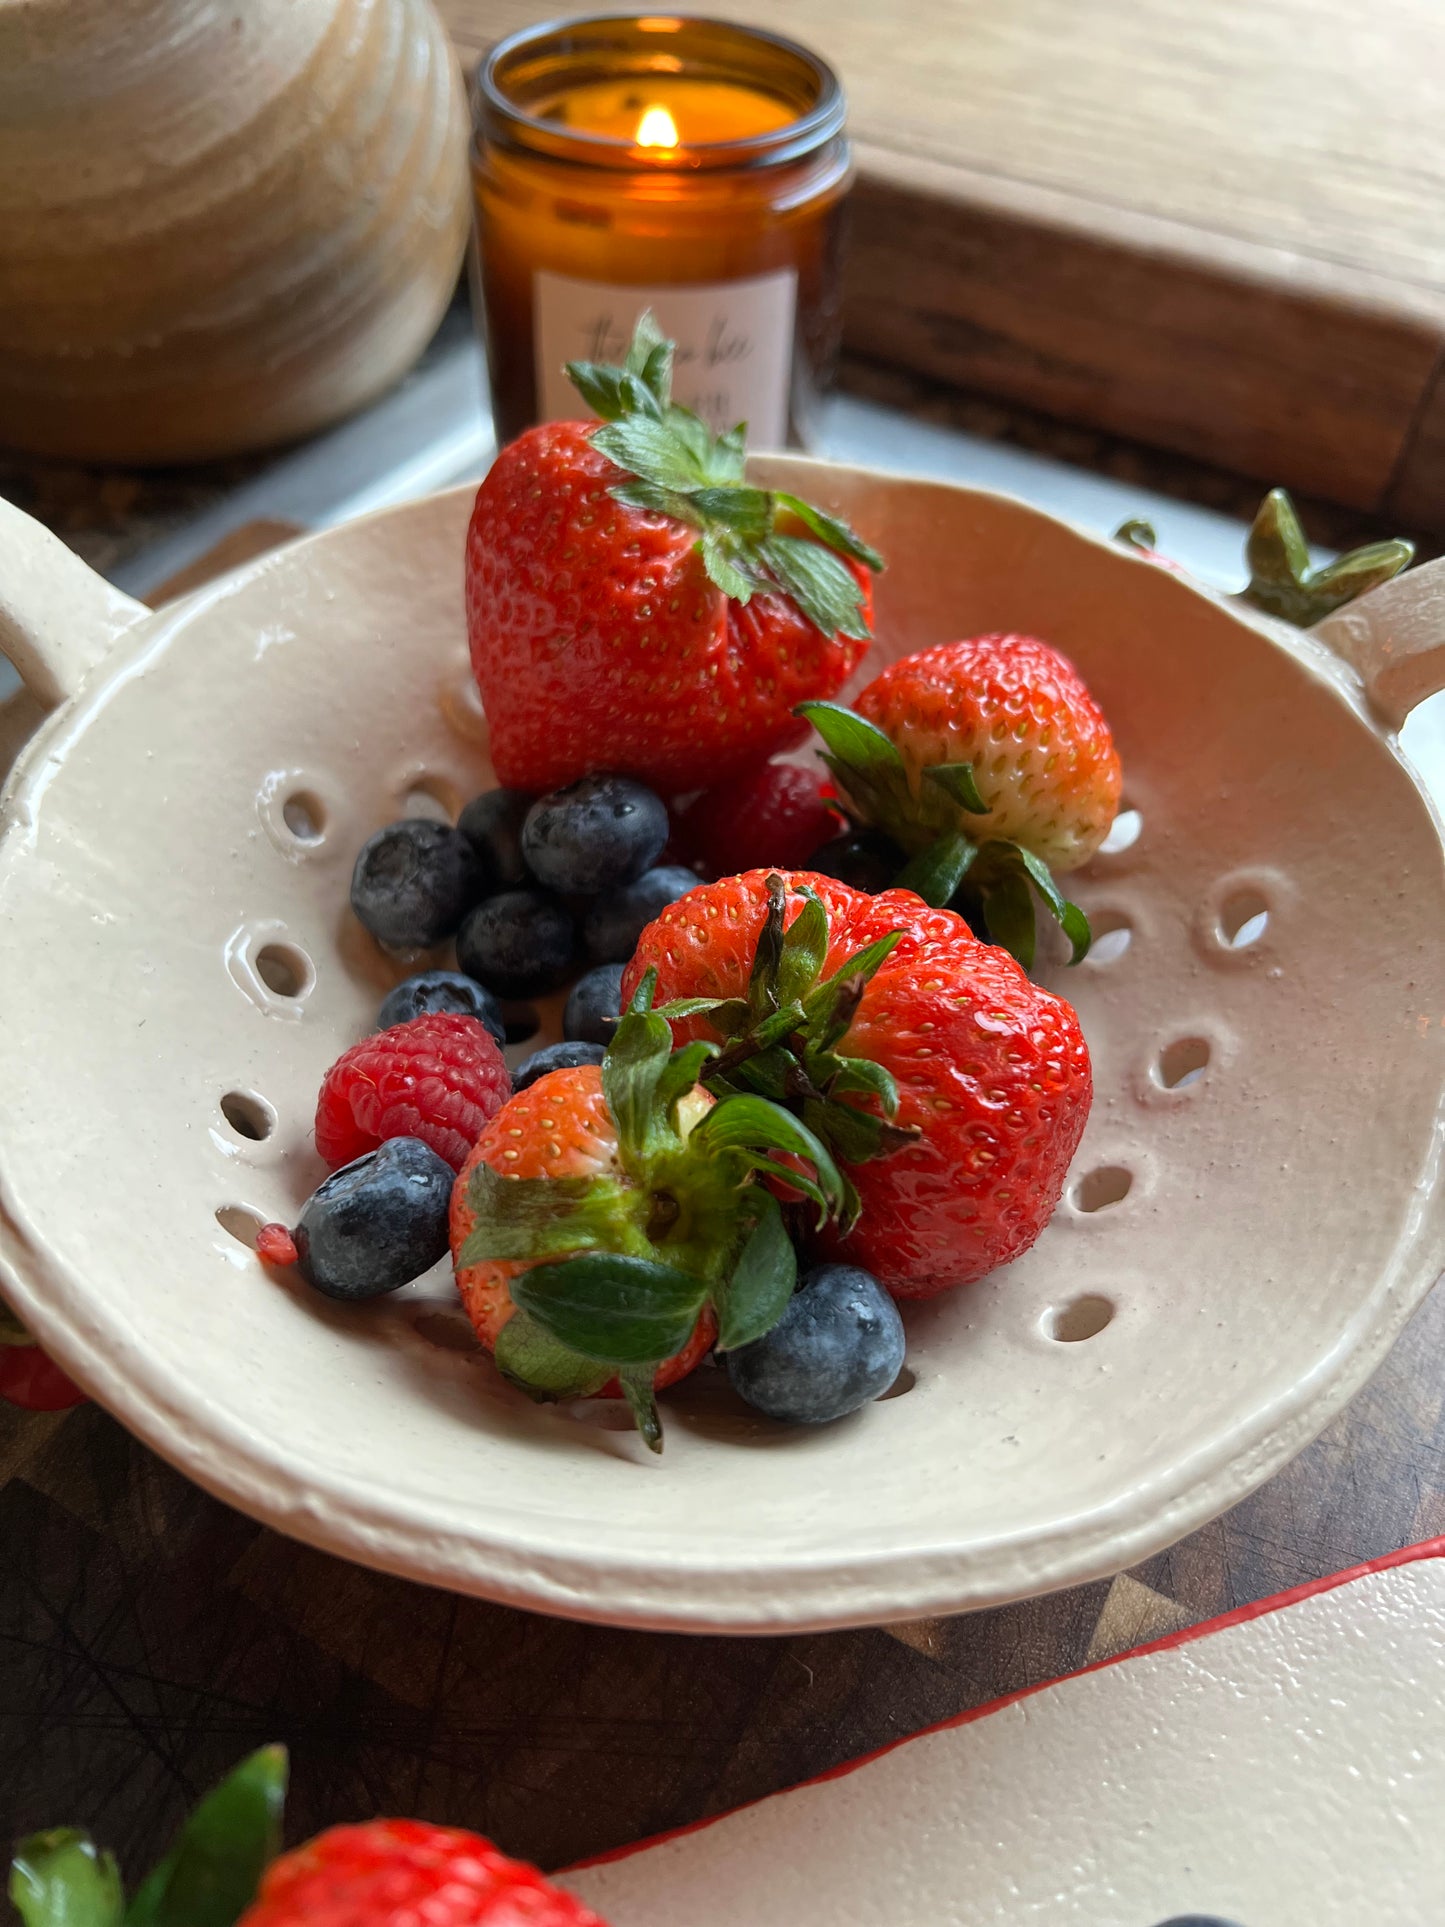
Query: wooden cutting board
[1214,225]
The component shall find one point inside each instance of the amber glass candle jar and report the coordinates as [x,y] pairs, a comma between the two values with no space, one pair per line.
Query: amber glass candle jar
[686,165]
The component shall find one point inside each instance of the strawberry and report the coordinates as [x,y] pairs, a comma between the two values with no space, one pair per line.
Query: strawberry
[28,1377]
[438,1077]
[609,1220]
[221,1869]
[401,1873]
[773,814]
[631,599]
[964,1090]
[989,761]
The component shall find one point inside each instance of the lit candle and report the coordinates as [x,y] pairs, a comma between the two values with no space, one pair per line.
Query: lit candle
[687,166]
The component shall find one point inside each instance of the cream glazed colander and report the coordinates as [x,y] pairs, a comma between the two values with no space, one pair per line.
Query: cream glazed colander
[1255,1211]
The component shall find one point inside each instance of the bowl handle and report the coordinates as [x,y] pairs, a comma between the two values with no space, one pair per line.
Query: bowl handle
[58,618]
[1395,638]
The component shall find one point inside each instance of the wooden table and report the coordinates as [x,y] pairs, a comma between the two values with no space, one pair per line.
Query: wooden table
[1216,227]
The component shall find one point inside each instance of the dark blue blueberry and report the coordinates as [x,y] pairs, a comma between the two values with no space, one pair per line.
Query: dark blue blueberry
[597,833]
[594,1006]
[378,1223]
[519,944]
[554,1057]
[839,1344]
[414,882]
[866,859]
[492,824]
[447,990]
[612,926]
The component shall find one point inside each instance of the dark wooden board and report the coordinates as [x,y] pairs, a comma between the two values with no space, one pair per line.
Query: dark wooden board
[1212,227]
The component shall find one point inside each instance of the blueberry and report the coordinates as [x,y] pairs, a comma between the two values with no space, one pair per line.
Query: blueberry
[554,1057]
[593,835]
[378,1223]
[492,824]
[447,990]
[839,1344]
[519,944]
[594,1006]
[413,883]
[866,859]
[612,926]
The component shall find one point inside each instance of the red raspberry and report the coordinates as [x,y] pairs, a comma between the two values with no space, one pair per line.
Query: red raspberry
[397,1873]
[275,1245]
[774,815]
[438,1077]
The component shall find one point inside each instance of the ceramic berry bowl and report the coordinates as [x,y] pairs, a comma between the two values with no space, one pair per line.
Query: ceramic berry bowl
[1254,1212]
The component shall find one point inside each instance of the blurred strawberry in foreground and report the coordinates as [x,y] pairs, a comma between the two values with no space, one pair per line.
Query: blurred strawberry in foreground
[28,1378]
[989,761]
[221,1872]
[626,588]
[776,814]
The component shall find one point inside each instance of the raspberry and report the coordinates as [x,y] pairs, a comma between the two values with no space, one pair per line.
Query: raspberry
[439,1077]
[774,815]
[389,1872]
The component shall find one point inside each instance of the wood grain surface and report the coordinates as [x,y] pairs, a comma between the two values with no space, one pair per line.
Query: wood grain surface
[1215,227]
[149,1636]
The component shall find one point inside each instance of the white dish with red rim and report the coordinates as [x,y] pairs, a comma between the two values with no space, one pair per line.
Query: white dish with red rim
[1255,1211]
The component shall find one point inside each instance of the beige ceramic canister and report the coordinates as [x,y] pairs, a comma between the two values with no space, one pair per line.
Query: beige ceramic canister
[223,223]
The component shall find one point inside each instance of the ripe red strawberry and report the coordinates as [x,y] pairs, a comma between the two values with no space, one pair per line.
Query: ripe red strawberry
[966,1087]
[631,601]
[609,1225]
[438,1077]
[401,1873]
[774,814]
[989,760]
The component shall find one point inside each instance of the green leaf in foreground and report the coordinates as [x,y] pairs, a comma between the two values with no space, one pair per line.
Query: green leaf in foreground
[210,1875]
[61,1879]
[542,1366]
[614,1309]
[763,1279]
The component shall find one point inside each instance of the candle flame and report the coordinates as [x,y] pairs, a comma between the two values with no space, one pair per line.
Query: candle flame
[657,128]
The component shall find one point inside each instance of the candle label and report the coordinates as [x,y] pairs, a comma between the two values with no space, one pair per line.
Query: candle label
[734,344]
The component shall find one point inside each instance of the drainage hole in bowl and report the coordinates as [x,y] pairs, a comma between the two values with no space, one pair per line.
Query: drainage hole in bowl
[1182,1063]
[1111,937]
[904,1383]
[249,1116]
[1098,1190]
[304,815]
[432,797]
[1081,1318]
[1123,834]
[241,1222]
[1243,918]
[284,969]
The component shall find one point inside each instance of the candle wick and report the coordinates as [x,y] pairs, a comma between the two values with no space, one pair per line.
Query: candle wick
[657,128]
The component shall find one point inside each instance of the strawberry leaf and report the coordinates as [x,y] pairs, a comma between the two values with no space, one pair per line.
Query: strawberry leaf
[1281,581]
[956,781]
[754,1126]
[636,1058]
[830,1009]
[804,948]
[726,1013]
[542,1366]
[936,872]
[611,392]
[654,500]
[637,1389]
[819,582]
[1070,918]
[1008,910]
[683,1069]
[210,1875]
[837,535]
[536,1217]
[61,1879]
[614,1309]
[763,977]
[763,1280]
[648,448]
[860,745]
[861,1074]
[722,569]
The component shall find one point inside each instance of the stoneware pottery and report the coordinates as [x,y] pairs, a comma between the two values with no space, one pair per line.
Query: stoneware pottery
[1255,1211]
[221,226]
[1281,1767]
